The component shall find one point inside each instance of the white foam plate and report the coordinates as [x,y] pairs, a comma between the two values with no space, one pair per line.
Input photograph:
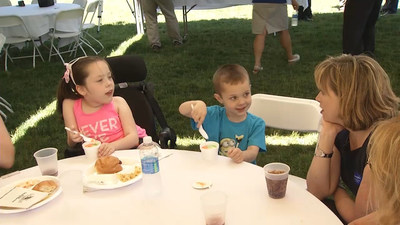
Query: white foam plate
[52,195]
[92,179]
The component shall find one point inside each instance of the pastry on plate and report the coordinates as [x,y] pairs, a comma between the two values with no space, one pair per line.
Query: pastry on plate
[46,186]
[108,165]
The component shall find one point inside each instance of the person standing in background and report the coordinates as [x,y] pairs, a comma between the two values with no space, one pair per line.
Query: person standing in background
[359,21]
[305,13]
[390,7]
[271,16]
[150,14]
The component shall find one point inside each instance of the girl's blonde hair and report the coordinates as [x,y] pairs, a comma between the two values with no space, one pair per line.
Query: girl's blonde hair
[362,86]
[384,161]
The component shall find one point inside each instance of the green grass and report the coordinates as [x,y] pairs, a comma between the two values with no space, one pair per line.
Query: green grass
[184,73]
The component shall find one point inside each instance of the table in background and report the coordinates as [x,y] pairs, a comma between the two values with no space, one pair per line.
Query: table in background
[178,202]
[38,20]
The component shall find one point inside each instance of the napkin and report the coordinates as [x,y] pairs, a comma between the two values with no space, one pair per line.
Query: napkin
[18,197]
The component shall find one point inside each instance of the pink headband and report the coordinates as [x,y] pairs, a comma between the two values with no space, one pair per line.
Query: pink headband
[68,70]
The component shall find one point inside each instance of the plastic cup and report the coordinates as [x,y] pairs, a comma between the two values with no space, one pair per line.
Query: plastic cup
[209,150]
[91,149]
[214,207]
[46,159]
[276,176]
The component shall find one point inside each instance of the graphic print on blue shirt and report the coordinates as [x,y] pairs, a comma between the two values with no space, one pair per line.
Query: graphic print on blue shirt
[357,178]
[227,143]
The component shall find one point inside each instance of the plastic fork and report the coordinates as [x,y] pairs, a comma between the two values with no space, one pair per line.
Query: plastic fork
[201,129]
[86,139]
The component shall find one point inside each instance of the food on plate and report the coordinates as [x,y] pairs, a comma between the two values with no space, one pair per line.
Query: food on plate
[129,176]
[28,183]
[46,186]
[108,164]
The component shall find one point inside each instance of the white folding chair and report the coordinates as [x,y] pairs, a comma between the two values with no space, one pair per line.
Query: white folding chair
[82,3]
[21,38]
[67,28]
[288,113]
[5,3]
[88,24]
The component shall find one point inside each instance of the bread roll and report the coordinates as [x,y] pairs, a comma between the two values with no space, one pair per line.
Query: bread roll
[45,186]
[108,164]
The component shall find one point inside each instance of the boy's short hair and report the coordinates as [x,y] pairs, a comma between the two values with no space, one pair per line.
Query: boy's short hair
[362,86]
[229,74]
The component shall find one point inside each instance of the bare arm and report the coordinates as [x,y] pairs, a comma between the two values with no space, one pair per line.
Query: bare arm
[350,209]
[344,204]
[323,174]
[69,121]
[249,155]
[7,151]
[198,113]
[130,138]
[295,5]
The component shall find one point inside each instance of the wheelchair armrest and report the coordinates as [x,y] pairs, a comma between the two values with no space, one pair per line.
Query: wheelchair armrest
[167,134]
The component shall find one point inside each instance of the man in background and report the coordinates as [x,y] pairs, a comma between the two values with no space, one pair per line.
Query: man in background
[150,14]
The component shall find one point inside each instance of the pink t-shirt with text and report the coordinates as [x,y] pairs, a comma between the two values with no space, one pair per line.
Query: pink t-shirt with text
[103,125]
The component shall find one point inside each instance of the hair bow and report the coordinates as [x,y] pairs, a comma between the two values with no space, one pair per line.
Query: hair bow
[68,71]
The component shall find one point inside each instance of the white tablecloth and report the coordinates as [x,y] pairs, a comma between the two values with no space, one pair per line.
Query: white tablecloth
[178,203]
[38,20]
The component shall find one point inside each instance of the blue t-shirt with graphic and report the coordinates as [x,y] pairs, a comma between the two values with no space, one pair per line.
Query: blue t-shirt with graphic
[228,134]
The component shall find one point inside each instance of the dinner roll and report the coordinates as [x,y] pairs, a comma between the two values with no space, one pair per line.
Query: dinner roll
[45,186]
[108,164]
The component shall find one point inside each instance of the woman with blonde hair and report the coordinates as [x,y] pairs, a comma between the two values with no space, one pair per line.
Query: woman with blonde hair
[384,163]
[354,94]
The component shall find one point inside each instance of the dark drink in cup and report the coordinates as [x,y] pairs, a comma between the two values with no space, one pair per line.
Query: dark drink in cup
[276,188]
[276,176]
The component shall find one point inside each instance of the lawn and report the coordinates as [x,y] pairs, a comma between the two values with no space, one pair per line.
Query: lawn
[215,37]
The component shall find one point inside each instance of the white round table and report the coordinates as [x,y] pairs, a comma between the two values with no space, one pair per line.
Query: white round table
[178,202]
[38,20]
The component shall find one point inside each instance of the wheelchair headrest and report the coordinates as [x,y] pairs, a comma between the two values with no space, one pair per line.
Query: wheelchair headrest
[127,68]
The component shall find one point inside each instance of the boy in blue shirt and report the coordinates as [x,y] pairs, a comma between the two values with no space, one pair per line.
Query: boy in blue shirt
[241,135]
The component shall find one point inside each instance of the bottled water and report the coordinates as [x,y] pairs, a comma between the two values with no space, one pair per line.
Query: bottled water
[149,152]
[295,18]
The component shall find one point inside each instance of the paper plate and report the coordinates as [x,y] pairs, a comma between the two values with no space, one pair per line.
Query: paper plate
[92,179]
[49,198]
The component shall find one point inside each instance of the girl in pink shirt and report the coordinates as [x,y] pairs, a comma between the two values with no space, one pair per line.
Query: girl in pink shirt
[85,99]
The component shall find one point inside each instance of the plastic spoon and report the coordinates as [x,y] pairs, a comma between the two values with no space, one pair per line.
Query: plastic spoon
[201,129]
[87,139]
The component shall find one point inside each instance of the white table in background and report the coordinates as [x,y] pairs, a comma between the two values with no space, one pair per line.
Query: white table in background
[178,203]
[38,20]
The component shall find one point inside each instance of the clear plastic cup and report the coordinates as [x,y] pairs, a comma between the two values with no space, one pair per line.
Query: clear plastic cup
[214,207]
[46,159]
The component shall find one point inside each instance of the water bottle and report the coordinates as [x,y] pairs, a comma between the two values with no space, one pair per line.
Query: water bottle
[295,18]
[148,152]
